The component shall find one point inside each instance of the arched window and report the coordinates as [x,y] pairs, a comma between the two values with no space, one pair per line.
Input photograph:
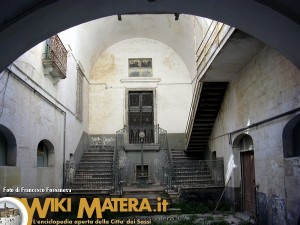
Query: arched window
[291,138]
[8,147]
[3,150]
[45,154]
[245,143]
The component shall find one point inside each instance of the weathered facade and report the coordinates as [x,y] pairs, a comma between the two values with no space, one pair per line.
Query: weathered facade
[53,111]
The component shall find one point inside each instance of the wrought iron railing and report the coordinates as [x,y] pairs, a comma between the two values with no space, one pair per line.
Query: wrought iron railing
[153,135]
[207,173]
[194,174]
[214,39]
[117,183]
[56,52]
[168,178]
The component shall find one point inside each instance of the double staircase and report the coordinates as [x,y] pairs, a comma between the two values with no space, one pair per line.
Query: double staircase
[94,171]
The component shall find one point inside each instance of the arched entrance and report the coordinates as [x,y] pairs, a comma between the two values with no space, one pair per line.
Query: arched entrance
[273,23]
[244,144]
[45,154]
[8,147]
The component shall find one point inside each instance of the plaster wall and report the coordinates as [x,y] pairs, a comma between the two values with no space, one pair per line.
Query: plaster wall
[171,84]
[31,118]
[267,86]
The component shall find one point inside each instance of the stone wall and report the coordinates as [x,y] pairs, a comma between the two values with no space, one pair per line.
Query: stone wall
[267,86]
[110,83]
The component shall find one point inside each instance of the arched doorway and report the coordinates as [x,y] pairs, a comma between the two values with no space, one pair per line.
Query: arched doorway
[290,138]
[244,144]
[8,147]
[45,154]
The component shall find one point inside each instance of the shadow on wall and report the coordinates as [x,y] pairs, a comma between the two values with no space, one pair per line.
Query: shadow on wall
[8,147]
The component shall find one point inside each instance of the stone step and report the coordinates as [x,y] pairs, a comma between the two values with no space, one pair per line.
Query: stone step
[189,173]
[96,168]
[185,159]
[86,183]
[95,158]
[92,176]
[99,152]
[94,171]
[102,154]
[194,181]
[193,176]
[87,179]
[96,163]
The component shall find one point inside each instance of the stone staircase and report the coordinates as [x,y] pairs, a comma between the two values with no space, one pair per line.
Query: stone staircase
[94,171]
[152,193]
[189,171]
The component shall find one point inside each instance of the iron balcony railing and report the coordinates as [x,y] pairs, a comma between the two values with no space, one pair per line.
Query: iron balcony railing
[57,54]
[153,135]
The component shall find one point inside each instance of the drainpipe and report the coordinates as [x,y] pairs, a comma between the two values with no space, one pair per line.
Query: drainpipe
[64,146]
[10,72]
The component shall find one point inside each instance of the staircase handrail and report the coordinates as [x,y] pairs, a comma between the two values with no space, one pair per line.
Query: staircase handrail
[214,39]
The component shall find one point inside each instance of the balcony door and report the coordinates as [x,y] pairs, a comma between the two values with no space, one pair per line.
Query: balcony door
[140,116]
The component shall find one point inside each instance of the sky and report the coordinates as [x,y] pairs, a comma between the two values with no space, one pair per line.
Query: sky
[8,204]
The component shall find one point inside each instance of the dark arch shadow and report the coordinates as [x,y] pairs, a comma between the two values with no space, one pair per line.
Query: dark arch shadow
[237,140]
[11,145]
[25,24]
[288,142]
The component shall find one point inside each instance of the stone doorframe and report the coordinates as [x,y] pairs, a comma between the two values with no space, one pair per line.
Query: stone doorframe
[126,122]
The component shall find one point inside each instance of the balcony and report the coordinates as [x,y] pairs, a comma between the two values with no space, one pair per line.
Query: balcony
[55,59]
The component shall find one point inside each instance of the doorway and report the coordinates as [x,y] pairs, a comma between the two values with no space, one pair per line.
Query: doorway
[140,116]
[248,174]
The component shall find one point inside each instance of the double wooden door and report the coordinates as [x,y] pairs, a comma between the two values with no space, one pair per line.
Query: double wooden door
[140,116]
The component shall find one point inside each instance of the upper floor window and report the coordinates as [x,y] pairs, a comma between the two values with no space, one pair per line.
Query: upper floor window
[79,94]
[55,58]
[140,67]
[291,138]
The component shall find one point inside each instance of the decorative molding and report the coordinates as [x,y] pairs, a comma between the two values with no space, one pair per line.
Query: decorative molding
[141,80]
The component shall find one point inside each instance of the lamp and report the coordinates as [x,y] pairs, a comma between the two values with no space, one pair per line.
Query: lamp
[142,136]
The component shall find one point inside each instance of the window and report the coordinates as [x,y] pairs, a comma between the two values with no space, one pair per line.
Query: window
[79,95]
[3,150]
[245,143]
[8,147]
[291,138]
[141,67]
[45,154]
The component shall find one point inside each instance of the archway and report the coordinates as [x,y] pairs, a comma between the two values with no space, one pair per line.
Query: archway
[276,24]
[290,138]
[244,144]
[8,147]
[45,154]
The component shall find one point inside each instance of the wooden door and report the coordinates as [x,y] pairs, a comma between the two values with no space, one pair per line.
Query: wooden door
[140,116]
[248,181]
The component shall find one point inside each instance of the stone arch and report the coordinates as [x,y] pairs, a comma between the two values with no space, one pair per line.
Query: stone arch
[275,24]
[8,147]
[45,154]
[243,142]
[291,138]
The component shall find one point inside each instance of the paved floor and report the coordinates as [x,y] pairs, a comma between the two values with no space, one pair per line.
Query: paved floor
[207,218]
